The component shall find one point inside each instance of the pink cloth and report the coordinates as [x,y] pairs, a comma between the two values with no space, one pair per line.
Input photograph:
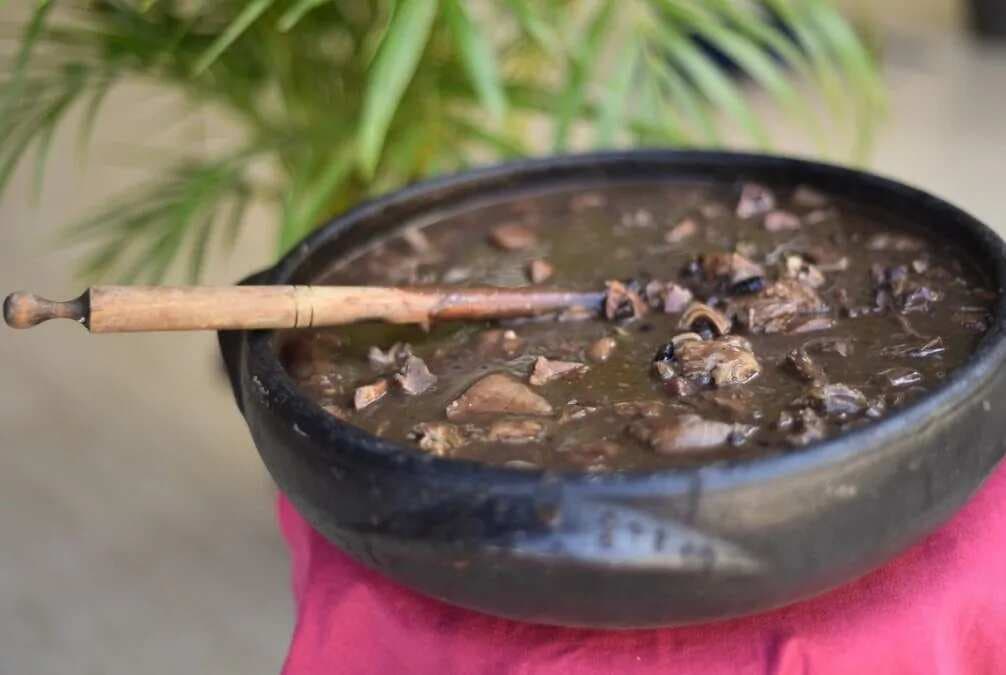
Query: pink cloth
[938,608]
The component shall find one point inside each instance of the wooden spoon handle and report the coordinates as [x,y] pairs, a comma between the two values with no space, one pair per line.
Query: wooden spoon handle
[121,309]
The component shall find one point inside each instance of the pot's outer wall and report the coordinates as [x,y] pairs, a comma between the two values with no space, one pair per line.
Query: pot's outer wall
[630,550]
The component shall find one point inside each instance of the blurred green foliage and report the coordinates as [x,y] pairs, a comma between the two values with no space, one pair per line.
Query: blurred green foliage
[341,99]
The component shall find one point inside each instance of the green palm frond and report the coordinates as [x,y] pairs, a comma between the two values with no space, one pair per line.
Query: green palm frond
[139,236]
[343,98]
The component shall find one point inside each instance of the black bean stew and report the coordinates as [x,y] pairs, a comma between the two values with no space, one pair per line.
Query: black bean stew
[739,321]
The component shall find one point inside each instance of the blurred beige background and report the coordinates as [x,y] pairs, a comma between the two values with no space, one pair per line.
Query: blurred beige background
[136,521]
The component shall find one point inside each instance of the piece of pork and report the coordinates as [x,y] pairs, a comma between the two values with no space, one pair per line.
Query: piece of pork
[498,393]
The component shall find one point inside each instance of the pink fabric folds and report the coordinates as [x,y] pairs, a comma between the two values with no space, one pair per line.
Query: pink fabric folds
[938,608]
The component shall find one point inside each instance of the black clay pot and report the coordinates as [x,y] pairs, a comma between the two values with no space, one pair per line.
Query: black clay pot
[642,549]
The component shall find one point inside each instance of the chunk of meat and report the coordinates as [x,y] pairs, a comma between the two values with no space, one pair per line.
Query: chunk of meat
[587,200]
[601,350]
[369,394]
[676,298]
[621,303]
[499,341]
[837,399]
[733,340]
[498,393]
[755,200]
[456,275]
[808,427]
[806,367]
[439,438]
[667,296]
[814,324]
[895,288]
[683,230]
[781,221]
[699,315]
[417,239]
[547,370]
[807,273]
[818,216]
[828,257]
[687,433]
[877,408]
[665,370]
[540,271]
[723,361]
[637,218]
[784,421]
[809,197]
[776,307]
[576,411]
[653,292]
[917,298]
[899,376]
[516,431]
[396,353]
[513,237]
[730,267]
[890,241]
[415,378]
[681,338]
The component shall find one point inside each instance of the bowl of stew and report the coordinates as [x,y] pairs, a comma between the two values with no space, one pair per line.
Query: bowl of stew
[795,374]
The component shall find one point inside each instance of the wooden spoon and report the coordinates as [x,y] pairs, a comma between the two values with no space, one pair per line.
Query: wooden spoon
[122,309]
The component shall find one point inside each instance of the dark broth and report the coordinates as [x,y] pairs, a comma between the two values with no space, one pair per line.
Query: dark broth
[590,236]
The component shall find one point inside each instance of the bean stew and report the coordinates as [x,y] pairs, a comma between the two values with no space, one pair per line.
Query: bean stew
[739,321]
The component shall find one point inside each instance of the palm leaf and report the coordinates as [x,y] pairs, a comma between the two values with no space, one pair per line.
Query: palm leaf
[393,68]
[200,246]
[478,57]
[292,16]
[501,145]
[360,97]
[33,30]
[827,73]
[303,212]
[252,11]
[143,231]
[96,98]
[717,88]
[857,63]
[613,103]
[535,26]
[681,95]
[750,56]
[572,95]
